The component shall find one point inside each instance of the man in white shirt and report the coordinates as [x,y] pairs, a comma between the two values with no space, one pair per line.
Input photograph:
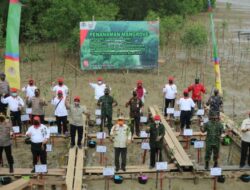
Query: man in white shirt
[60,102]
[15,104]
[170,92]
[186,105]
[99,88]
[61,86]
[29,89]
[121,135]
[4,89]
[245,142]
[39,135]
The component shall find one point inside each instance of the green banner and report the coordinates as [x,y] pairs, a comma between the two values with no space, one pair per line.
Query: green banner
[119,44]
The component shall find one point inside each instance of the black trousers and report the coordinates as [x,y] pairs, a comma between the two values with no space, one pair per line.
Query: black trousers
[73,130]
[16,119]
[8,154]
[135,125]
[107,117]
[155,155]
[168,102]
[198,103]
[39,152]
[61,122]
[185,119]
[245,150]
[123,153]
[40,116]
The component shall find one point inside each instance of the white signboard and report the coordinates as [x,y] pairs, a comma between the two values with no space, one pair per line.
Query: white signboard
[177,113]
[200,112]
[98,121]
[161,166]
[170,110]
[16,129]
[143,134]
[28,110]
[49,147]
[97,112]
[145,146]
[215,172]
[41,168]
[188,132]
[109,171]
[198,144]
[53,129]
[205,120]
[100,135]
[25,117]
[101,149]
[143,119]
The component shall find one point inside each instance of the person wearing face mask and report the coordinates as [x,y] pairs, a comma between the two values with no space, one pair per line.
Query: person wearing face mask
[39,135]
[170,92]
[4,90]
[30,89]
[15,104]
[61,104]
[76,112]
[197,90]
[5,141]
[106,103]
[186,105]
[141,91]
[121,135]
[37,105]
[157,132]
[61,86]
[135,106]
[99,88]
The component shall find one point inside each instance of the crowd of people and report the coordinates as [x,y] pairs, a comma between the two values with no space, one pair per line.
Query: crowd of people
[121,133]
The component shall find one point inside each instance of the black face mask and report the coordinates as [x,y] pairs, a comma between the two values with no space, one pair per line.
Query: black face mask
[134,94]
[170,82]
[60,83]
[185,94]
[36,94]
[36,122]
[106,93]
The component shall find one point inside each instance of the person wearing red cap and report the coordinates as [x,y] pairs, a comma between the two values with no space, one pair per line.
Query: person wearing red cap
[157,133]
[5,141]
[186,105]
[99,87]
[15,104]
[141,91]
[61,86]
[77,121]
[197,90]
[29,89]
[37,104]
[61,103]
[4,89]
[245,142]
[170,92]
[39,135]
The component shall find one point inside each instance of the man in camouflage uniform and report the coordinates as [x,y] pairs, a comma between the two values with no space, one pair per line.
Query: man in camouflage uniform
[157,133]
[214,129]
[215,103]
[107,103]
[135,107]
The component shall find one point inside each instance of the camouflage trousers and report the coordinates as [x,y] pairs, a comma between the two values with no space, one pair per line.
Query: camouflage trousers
[210,148]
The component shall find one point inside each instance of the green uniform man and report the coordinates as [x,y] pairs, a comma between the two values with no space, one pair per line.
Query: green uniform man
[107,103]
[214,129]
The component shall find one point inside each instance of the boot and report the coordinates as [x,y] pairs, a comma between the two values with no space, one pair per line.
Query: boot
[11,168]
[215,164]
[206,165]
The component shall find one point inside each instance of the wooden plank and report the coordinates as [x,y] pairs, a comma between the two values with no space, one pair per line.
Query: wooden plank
[16,185]
[129,169]
[79,170]
[71,168]
[27,171]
